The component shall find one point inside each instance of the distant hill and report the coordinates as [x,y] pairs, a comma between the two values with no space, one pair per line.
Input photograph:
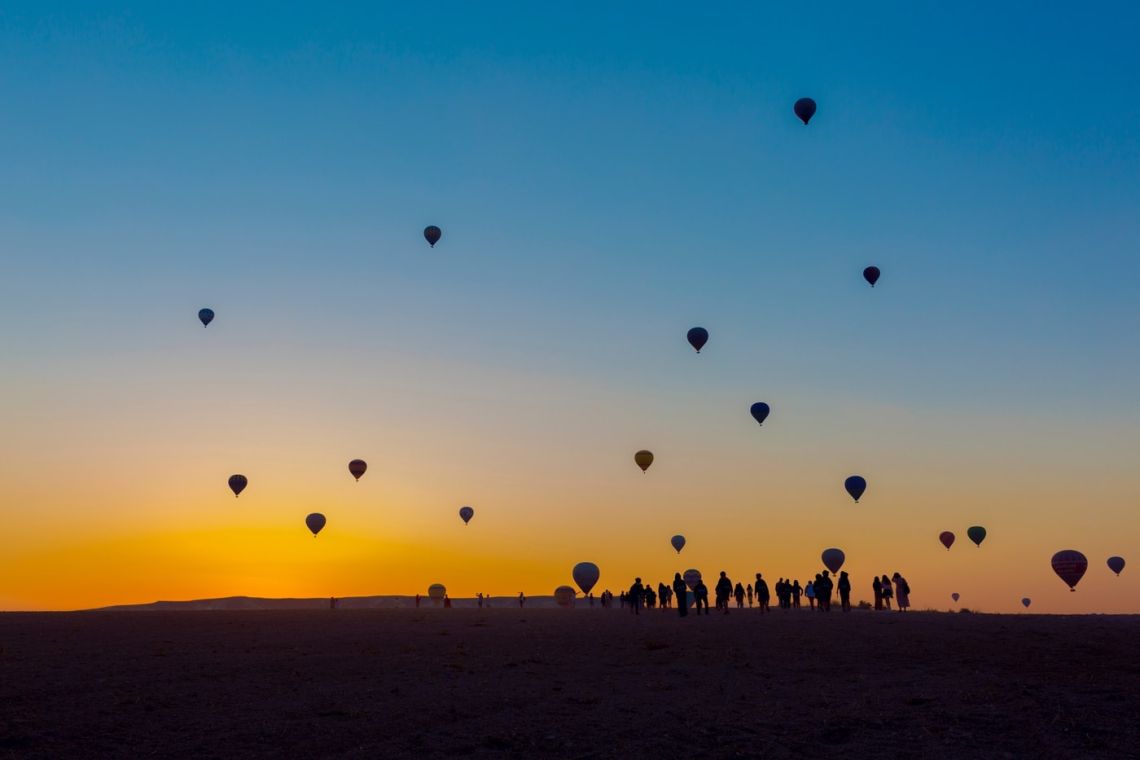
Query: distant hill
[342,603]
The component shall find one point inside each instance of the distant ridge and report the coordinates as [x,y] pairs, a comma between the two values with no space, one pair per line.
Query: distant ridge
[322,603]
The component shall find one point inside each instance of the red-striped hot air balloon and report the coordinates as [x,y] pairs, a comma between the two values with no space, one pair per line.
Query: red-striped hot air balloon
[1070,566]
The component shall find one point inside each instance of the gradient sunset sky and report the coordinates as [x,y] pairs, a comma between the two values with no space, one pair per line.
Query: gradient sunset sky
[606,178]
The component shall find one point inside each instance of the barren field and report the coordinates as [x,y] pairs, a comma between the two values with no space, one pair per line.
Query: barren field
[566,683]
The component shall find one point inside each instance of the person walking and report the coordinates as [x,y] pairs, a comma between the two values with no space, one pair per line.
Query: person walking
[636,596]
[701,596]
[681,592]
[877,590]
[823,591]
[738,592]
[763,596]
[844,587]
[723,592]
[797,592]
[748,589]
[809,592]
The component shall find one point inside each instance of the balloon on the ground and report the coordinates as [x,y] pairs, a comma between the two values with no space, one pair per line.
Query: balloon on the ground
[805,109]
[760,411]
[644,459]
[1026,601]
[947,539]
[467,513]
[436,592]
[856,485]
[698,337]
[955,596]
[678,542]
[564,596]
[586,574]
[871,275]
[315,522]
[238,484]
[833,559]
[432,234]
[977,534]
[1070,566]
[691,577]
[1115,564]
[206,316]
[357,467]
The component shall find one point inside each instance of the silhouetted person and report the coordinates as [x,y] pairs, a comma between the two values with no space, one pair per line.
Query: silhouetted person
[332,602]
[844,587]
[823,591]
[417,601]
[877,590]
[797,591]
[701,596]
[479,598]
[681,591]
[723,592]
[650,597]
[621,600]
[748,589]
[888,591]
[902,592]
[636,593]
[809,592]
[738,592]
[522,600]
[762,594]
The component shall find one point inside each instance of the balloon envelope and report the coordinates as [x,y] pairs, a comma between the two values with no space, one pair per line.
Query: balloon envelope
[315,522]
[1070,566]
[856,485]
[871,275]
[564,596]
[437,591]
[698,337]
[467,513]
[760,411]
[238,484]
[432,234]
[644,459]
[678,542]
[947,538]
[357,467]
[206,316]
[691,577]
[1115,564]
[1026,601]
[977,534]
[954,596]
[805,109]
[586,574]
[833,559]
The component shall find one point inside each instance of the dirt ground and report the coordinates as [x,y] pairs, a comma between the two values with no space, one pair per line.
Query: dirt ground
[567,683]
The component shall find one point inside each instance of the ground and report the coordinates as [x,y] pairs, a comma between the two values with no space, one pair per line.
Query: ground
[567,683]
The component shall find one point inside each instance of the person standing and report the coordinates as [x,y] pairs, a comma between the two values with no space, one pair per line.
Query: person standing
[902,592]
[809,592]
[681,592]
[723,592]
[763,596]
[823,591]
[738,592]
[877,590]
[888,591]
[522,600]
[797,592]
[635,596]
[417,601]
[701,596]
[844,587]
[748,589]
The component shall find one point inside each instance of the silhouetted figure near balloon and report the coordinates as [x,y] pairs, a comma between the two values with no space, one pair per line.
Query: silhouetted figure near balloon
[823,589]
[701,596]
[635,596]
[809,592]
[763,596]
[417,601]
[877,590]
[797,592]
[902,592]
[738,592]
[681,592]
[844,588]
[723,592]
[888,591]
[663,595]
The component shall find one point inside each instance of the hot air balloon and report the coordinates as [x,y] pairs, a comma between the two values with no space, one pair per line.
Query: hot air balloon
[760,411]
[855,486]
[805,109]
[954,596]
[977,534]
[644,459]
[1070,566]
[357,467]
[432,234]
[1026,601]
[678,542]
[833,559]
[238,484]
[467,513]
[698,337]
[691,577]
[315,521]
[947,539]
[871,275]
[436,592]
[206,316]
[1115,564]
[564,596]
[586,574]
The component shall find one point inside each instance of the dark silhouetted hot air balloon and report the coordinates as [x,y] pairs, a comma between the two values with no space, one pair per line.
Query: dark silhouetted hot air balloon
[871,275]
[1070,566]
[954,596]
[238,484]
[698,337]
[833,559]
[586,574]
[691,577]
[315,521]
[644,459]
[678,542]
[947,539]
[760,411]
[1026,601]
[206,316]
[564,596]
[436,592]
[977,534]
[1115,564]
[357,467]
[432,234]
[805,109]
[467,513]
[856,485]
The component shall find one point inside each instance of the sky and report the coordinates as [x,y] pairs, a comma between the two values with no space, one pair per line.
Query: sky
[605,178]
